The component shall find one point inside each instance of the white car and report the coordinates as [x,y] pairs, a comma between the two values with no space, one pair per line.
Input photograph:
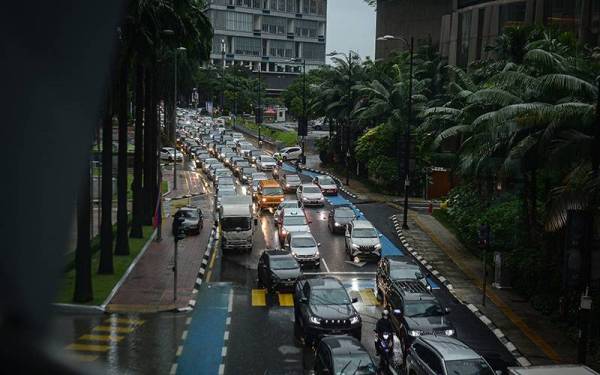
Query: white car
[265,163]
[166,153]
[362,241]
[282,206]
[289,153]
[310,195]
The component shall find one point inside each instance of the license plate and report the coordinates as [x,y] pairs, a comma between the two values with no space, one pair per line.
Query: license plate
[336,332]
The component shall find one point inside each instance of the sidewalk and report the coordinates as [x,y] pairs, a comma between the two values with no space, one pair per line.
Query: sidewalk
[534,335]
[149,287]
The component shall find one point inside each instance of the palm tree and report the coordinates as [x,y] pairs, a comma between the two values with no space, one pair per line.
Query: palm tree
[122,243]
[138,205]
[105,266]
[83,254]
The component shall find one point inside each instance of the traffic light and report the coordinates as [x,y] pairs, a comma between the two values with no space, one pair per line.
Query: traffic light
[302,127]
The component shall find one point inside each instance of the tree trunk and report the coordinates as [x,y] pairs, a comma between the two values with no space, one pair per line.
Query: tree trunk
[138,201]
[156,132]
[105,265]
[83,254]
[532,220]
[149,140]
[122,243]
[526,222]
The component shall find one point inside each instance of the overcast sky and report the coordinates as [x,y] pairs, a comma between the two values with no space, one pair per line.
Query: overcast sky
[351,26]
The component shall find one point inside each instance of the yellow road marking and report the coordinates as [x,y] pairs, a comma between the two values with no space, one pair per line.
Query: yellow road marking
[114,319]
[286,300]
[85,357]
[89,347]
[259,297]
[113,329]
[112,338]
[368,297]
[514,318]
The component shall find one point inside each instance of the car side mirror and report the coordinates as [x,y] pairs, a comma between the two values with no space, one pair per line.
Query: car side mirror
[447,310]
[380,235]
[397,312]
[354,299]
[318,244]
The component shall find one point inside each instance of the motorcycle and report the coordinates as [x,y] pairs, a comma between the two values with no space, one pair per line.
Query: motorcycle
[384,345]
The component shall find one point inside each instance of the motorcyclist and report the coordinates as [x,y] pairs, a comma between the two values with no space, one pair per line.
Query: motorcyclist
[384,324]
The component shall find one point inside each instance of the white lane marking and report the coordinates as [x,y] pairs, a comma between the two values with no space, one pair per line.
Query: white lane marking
[325,265]
[230,305]
[184,335]
[228,321]
[226,336]
[188,321]
[179,351]
[173,369]
[221,369]
[224,352]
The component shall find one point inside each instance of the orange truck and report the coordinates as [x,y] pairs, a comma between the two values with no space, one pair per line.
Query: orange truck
[269,194]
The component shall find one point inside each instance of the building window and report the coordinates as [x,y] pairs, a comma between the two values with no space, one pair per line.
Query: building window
[246,46]
[511,15]
[216,43]
[274,25]
[281,48]
[313,51]
[291,6]
[306,29]
[464,24]
[244,3]
[233,21]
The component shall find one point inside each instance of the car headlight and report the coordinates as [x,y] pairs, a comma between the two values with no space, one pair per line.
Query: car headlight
[284,232]
[304,198]
[378,246]
[264,199]
[355,319]
[355,246]
[321,199]
[414,333]
[449,332]
[315,319]
[282,199]
[295,254]
[287,185]
[337,224]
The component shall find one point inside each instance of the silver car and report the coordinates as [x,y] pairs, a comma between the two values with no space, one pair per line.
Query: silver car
[304,248]
[310,195]
[362,241]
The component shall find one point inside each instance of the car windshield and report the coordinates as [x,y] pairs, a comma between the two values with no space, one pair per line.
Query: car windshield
[190,214]
[236,223]
[336,296]
[468,367]
[326,181]
[404,273]
[248,171]
[225,181]
[304,242]
[223,193]
[295,220]
[422,309]
[272,191]
[283,263]
[344,213]
[364,233]
[311,190]
[288,204]
[357,364]
[292,178]
[267,160]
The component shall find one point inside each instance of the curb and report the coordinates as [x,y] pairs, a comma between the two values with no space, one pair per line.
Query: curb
[182,197]
[519,357]
[341,185]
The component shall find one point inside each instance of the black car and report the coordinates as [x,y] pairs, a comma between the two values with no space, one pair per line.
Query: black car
[397,268]
[343,355]
[322,307]
[339,217]
[277,270]
[416,312]
[192,222]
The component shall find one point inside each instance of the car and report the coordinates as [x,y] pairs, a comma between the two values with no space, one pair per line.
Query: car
[246,175]
[326,184]
[292,220]
[234,159]
[206,163]
[213,168]
[415,312]
[362,241]
[225,191]
[265,163]
[339,217]
[193,220]
[290,182]
[289,153]
[253,186]
[342,355]
[223,181]
[440,355]
[322,307]
[238,166]
[269,194]
[166,153]
[304,248]
[254,154]
[310,195]
[283,205]
[277,270]
[228,156]
[394,268]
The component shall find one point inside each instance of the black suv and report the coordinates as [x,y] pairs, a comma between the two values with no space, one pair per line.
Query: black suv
[343,355]
[322,306]
[397,268]
[416,312]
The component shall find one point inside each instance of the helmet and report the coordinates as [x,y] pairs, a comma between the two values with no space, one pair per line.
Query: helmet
[385,314]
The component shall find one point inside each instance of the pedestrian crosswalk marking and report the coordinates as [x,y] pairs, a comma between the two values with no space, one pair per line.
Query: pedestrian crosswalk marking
[114,319]
[368,297]
[259,297]
[114,338]
[113,329]
[86,357]
[286,300]
[89,347]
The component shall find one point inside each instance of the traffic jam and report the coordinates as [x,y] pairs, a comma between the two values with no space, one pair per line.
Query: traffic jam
[352,301]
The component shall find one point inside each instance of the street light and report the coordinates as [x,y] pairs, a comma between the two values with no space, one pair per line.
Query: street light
[407,130]
[303,123]
[349,57]
[222,76]
[177,50]
[259,110]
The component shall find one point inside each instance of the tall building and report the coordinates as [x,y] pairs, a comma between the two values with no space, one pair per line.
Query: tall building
[463,28]
[265,34]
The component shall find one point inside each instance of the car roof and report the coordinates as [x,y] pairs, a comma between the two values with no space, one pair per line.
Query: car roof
[269,183]
[401,261]
[343,345]
[291,175]
[449,348]
[301,235]
[362,224]
[343,208]
[290,211]
[309,184]
[324,282]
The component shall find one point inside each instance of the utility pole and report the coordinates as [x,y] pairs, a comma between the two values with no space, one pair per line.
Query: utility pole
[348,119]
[259,111]
[222,77]
[484,243]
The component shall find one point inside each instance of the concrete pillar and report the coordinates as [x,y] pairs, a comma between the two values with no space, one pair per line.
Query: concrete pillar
[445,35]
[485,37]
[472,56]
[540,17]
[530,12]
[453,47]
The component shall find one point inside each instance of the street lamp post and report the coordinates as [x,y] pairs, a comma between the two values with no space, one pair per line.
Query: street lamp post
[349,57]
[175,114]
[405,167]
[303,124]
[222,76]
[259,110]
